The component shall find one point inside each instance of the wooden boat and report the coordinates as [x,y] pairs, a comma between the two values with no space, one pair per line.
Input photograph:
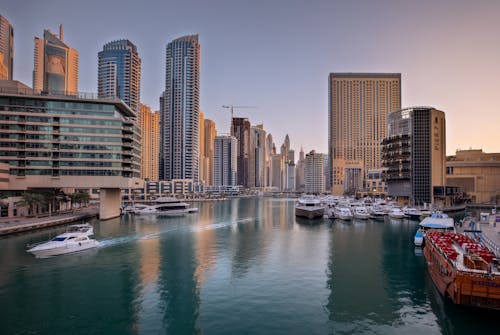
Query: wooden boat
[463,270]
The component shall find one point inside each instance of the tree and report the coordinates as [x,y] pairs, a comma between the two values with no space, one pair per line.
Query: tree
[32,201]
[54,197]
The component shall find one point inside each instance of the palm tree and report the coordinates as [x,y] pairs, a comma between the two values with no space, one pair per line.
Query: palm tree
[53,198]
[32,201]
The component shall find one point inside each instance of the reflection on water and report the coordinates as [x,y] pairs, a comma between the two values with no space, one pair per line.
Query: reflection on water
[242,266]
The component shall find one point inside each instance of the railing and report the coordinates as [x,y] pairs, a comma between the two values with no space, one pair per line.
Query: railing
[491,245]
[30,91]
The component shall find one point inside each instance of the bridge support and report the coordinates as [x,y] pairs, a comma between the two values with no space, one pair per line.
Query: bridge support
[110,203]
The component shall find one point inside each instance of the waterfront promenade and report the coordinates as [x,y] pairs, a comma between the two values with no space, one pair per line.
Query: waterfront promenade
[22,224]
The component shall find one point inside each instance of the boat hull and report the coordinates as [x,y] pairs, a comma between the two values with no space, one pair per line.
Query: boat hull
[310,213]
[67,248]
[470,288]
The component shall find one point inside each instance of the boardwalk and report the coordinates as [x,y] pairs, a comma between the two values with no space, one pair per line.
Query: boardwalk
[17,225]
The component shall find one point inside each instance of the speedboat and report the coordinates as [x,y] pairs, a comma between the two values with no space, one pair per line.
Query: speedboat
[437,221]
[412,213]
[75,239]
[360,212]
[396,213]
[164,206]
[310,207]
[342,213]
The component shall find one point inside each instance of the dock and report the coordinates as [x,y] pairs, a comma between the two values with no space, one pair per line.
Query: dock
[23,224]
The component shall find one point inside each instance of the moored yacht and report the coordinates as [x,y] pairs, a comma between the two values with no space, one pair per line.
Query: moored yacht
[396,213]
[360,212]
[75,239]
[342,213]
[436,222]
[412,213]
[164,206]
[310,207]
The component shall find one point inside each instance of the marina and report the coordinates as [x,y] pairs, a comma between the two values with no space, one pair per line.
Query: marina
[247,259]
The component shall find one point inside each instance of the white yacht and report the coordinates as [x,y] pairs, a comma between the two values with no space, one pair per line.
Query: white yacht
[437,221]
[75,239]
[412,213]
[377,213]
[342,213]
[360,212]
[164,206]
[396,213]
[310,207]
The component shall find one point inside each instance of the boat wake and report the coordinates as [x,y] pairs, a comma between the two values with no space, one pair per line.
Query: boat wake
[127,239]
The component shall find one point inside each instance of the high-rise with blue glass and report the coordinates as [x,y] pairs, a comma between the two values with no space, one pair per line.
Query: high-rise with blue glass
[119,73]
[180,107]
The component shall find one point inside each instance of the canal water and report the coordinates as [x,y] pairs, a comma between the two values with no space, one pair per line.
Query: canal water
[242,266]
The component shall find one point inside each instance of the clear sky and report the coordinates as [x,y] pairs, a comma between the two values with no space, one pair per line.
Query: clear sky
[277,55]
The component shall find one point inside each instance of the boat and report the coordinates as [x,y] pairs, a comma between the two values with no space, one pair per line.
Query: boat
[310,207]
[164,206]
[463,270]
[376,213]
[342,213]
[75,239]
[396,213]
[438,221]
[412,213]
[360,212]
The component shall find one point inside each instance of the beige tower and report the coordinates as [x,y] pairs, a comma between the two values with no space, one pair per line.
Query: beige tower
[150,143]
[55,65]
[358,106]
[209,139]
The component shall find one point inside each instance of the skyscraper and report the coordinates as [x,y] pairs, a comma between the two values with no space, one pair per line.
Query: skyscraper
[55,65]
[414,154]
[240,128]
[225,160]
[150,142]
[358,106]
[257,157]
[314,172]
[6,49]
[180,106]
[209,142]
[119,72]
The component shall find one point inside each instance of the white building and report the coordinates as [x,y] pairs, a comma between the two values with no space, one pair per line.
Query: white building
[315,172]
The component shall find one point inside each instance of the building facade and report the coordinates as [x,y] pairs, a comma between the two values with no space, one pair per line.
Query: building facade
[225,160]
[209,142]
[55,68]
[68,142]
[180,106]
[414,154]
[149,124]
[358,107]
[314,172]
[477,173]
[119,72]
[257,157]
[6,49]
[240,128]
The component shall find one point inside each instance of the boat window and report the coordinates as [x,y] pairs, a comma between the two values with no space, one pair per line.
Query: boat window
[59,239]
[71,237]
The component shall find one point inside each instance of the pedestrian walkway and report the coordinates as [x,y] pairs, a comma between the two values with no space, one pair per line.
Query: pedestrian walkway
[21,224]
[490,233]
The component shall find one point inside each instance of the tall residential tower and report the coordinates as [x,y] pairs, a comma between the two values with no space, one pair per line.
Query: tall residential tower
[358,107]
[55,68]
[6,49]
[119,72]
[180,106]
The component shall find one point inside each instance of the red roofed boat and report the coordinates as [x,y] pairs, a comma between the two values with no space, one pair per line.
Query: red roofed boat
[463,270]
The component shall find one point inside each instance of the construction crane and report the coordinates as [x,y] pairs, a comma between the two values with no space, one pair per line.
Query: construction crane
[231,107]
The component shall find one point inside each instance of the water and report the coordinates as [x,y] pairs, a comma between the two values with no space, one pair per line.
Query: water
[244,266]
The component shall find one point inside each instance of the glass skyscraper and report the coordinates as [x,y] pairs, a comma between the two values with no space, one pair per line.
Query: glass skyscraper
[180,106]
[119,73]
[6,49]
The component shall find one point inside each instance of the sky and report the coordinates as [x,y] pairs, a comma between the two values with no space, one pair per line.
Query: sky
[276,55]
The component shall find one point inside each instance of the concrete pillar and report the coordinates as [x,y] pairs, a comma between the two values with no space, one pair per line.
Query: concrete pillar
[110,203]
